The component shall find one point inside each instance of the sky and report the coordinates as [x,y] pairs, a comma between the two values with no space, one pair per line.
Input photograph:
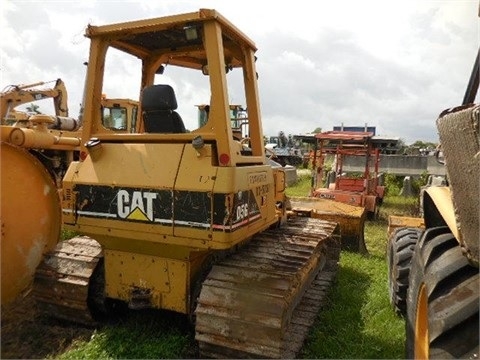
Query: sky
[390,64]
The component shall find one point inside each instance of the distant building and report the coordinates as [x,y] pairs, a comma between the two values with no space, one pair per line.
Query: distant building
[365,128]
[387,145]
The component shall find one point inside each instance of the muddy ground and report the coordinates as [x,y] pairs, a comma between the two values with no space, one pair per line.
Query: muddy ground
[27,334]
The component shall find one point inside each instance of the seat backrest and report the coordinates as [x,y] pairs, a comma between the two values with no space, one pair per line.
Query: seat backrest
[158,110]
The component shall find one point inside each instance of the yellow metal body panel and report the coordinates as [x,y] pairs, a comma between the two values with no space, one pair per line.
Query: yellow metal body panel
[249,196]
[395,222]
[248,216]
[135,165]
[166,279]
[442,198]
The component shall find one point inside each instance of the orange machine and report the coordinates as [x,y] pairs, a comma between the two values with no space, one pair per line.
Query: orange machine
[358,190]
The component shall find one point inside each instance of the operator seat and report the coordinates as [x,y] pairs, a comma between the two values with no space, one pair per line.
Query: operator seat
[158,110]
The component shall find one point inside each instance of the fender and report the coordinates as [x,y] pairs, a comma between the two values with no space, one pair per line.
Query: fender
[439,210]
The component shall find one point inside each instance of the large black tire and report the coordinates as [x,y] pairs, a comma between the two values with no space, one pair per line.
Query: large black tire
[400,248]
[442,300]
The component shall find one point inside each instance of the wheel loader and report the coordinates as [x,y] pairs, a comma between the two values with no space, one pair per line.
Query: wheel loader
[193,221]
[433,262]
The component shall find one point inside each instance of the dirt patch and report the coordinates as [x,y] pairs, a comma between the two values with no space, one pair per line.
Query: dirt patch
[27,334]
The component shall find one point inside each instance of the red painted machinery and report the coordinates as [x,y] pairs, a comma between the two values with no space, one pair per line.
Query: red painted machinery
[358,189]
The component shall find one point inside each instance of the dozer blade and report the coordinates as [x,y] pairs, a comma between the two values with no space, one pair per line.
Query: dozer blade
[395,222]
[62,286]
[351,219]
[262,301]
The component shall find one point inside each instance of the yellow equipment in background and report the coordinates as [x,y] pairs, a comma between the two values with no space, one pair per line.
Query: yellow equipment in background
[36,150]
[31,218]
[120,114]
[16,95]
[350,218]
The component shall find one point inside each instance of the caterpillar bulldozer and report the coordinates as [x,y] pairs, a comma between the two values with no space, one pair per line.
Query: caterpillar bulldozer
[189,221]
[433,261]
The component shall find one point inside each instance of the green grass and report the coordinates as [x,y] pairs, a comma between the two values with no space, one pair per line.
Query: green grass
[140,335]
[357,321]
[301,187]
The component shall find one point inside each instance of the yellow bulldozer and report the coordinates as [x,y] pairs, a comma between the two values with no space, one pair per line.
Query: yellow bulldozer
[192,221]
[433,261]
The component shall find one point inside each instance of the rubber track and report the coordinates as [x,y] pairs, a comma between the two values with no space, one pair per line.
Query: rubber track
[263,300]
[61,283]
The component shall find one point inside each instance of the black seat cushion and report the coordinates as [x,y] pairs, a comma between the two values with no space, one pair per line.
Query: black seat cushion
[158,105]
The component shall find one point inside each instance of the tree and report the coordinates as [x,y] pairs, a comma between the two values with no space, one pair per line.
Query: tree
[420,147]
[402,146]
[424,145]
[33,108]
[317,130]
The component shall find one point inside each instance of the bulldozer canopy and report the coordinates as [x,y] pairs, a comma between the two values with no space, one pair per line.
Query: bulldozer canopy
[179,36]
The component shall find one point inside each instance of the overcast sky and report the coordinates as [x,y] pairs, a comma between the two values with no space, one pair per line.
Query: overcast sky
[391,64]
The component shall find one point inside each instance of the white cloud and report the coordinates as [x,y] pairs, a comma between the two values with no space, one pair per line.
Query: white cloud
[394,65]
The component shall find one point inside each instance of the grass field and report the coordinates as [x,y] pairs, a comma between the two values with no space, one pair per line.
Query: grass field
[357,321]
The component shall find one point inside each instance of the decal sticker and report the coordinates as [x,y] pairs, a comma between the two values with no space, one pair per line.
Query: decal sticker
[137,207]
[131,204]
[220,212]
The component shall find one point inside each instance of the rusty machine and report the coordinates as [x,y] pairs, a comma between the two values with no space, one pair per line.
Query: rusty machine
[362,190]
[346,199]
[192,221]
[433,261]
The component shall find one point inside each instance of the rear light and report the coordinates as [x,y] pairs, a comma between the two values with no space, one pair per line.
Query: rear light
[224,159]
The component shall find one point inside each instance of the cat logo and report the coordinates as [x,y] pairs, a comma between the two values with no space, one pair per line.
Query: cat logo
[136,205]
